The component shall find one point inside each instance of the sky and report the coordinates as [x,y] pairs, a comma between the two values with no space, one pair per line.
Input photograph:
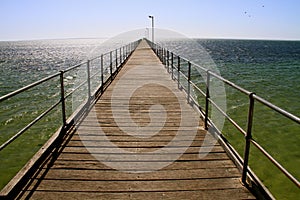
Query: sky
[233,19]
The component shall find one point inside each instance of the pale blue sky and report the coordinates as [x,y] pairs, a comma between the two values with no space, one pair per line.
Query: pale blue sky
[47,19]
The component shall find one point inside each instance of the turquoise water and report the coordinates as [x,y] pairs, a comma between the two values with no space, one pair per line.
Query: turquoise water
[271,69]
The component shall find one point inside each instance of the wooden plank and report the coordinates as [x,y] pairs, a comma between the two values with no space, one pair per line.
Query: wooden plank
[188,165]
[112,175]
[168,195]
[138,186]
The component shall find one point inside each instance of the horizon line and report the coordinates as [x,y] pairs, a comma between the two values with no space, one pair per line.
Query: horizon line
[192,37]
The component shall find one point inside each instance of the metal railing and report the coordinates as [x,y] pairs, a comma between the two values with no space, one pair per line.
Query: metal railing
[99,71]
[173,65]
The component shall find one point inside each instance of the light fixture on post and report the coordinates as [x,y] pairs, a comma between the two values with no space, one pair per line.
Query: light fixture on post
[152,17]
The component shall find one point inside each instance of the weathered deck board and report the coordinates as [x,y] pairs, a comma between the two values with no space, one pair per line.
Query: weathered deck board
[77,174]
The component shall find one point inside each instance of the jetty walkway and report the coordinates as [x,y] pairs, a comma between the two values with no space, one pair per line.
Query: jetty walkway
[141,140]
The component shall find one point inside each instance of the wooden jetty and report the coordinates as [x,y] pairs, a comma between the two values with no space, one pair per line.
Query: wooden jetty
[98,160]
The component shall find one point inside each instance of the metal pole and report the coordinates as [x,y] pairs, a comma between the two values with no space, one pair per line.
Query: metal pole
[62,98]
[116,59]
[152,18]
[120,55]
[88,80]
[159,53]
[189,81]
[130,47]
[153,29]
[164,56]
[123,53]
[178,71]
[102,74]
[168,61]
[207,100]
[248,139]
[172,62]
[110,66]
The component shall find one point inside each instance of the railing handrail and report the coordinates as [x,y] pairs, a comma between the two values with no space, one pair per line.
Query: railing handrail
[277,109]
[164,55]
[27,87]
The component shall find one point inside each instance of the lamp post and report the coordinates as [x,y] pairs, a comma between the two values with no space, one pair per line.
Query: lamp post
[152,17]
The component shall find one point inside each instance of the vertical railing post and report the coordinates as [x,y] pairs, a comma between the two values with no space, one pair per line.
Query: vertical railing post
[248,139]
[207,100]
[88,80]
[102,74]
[116,59]
[178,71]
[130,48]
[110,65]
[123,52]
[168,63]
[159,53]
[189,82]
[120,56]
[172,64]
[62,99]
[164,56]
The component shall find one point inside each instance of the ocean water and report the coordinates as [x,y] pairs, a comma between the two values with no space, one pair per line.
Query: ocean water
[271,69]
[23,62]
